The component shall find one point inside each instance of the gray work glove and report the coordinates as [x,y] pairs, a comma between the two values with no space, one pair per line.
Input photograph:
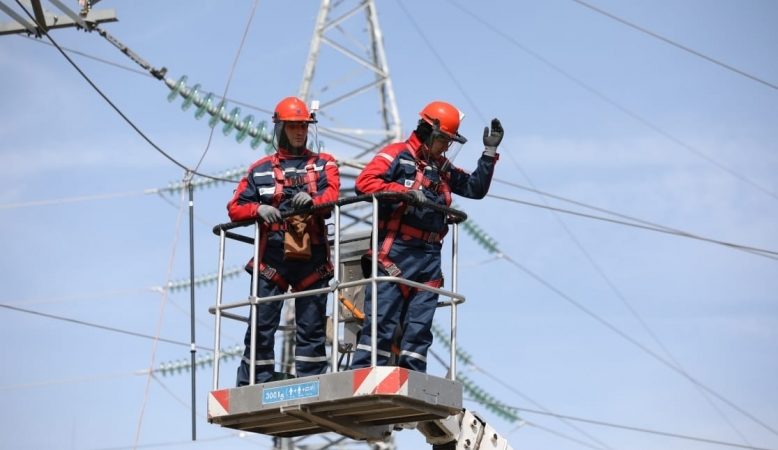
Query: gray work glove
[492,139]
[417,196]
[269,214]
[302,200]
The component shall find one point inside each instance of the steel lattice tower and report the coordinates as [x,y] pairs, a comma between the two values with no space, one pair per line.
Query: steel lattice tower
[347,72]
[346,68]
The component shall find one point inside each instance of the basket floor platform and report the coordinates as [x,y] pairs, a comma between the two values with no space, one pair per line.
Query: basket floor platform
[362,404]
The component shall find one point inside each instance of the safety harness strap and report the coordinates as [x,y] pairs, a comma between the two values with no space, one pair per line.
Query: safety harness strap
[392,226]
[311,179]
[271,274]
[418,233]
[407,291]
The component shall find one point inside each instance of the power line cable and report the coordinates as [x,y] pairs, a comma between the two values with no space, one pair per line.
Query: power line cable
[569,232]
[441,61]
[627,304]
[771,254]
[162,303]
[547,412]
[147,74]
[107,100]
[548,430]
[169,443]
[634,342]
[87,379]
[467,359]
[229,78]
[612,102]
[562,435]
[94,325]
[62,201]
[479,395]
[641,429]
[676,44]
[94,58]
[591,260]
[623,299]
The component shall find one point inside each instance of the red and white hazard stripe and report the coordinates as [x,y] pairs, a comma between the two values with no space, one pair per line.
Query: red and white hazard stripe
[218,403]
[380,380]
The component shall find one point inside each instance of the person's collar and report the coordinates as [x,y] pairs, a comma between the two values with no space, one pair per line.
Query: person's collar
[414,146]
[284,153]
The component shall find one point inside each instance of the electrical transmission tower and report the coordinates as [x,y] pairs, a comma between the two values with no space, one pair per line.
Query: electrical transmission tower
[347,72]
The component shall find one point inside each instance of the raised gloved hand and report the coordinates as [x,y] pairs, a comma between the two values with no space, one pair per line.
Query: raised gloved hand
[493,137]
[302,200]
[269,214]
[417,196]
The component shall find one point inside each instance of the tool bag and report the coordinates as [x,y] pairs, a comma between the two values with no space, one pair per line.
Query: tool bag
[297,238]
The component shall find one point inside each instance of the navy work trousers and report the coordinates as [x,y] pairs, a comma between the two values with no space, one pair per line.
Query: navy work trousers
[412,317]
[310,316]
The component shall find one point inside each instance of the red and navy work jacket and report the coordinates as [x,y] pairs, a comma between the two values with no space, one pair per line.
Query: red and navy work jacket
[400,167]
[275,179]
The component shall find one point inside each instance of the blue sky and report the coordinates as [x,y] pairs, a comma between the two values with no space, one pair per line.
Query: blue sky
[594,111]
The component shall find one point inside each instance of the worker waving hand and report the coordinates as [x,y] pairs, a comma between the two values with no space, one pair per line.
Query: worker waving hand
[410,235]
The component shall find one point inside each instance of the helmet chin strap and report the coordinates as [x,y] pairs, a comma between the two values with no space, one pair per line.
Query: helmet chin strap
[296,151]
[427,148]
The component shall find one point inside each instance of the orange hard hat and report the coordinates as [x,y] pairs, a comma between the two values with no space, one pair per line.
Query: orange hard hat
[292,109]
[445,118]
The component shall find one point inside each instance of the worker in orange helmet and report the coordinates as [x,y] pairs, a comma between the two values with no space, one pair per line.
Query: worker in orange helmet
[410,235]
[293,252]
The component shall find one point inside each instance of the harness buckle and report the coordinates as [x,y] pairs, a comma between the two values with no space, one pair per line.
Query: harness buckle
[295,180]
[268,272]
[324,271]
[393,270]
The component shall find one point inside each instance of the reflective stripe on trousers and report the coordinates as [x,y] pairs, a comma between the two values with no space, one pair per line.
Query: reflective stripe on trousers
[310,353]
[414,315]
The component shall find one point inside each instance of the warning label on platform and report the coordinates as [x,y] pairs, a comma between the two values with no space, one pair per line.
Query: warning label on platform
[290,392]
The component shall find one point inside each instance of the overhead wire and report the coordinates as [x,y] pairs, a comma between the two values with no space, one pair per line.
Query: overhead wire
[635,314]
[467,359]
[482,397]
[87,379]
[109,101]
[642,429]
[548,430]
[591,260]
[146,74]
[562,435]
[771,254]
[162,303]
[169,443]
[77,199]
[229,77]
[634,342]
[547,412]
[95,325]
[676,44]
[612,102]
[94,58]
